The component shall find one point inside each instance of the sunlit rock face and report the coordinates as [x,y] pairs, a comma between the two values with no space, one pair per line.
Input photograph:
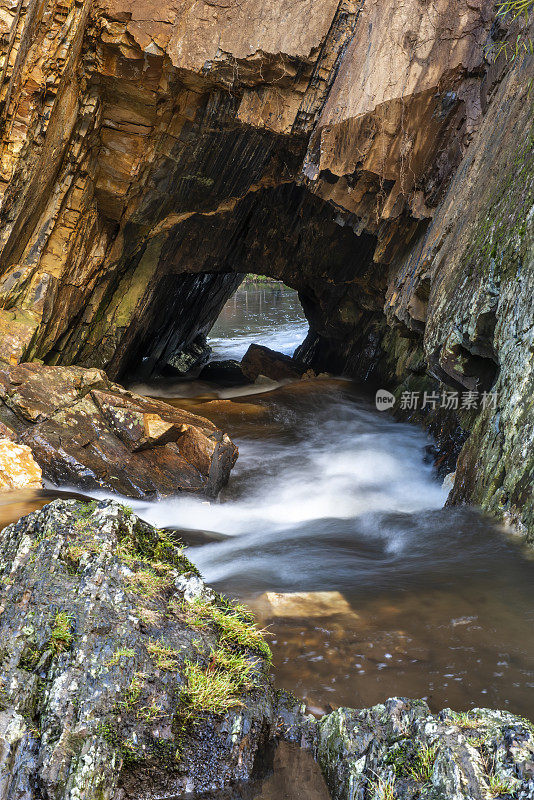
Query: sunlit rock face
[87,432]
[145,143]
[153,153]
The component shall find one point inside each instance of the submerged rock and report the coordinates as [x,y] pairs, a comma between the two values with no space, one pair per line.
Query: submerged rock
[121,674]
[400,750]
[225,373]
[260,360]
[303,605]
[88,432]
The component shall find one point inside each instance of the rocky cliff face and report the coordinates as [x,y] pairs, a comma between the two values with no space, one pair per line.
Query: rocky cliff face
[150,152]
[362,151]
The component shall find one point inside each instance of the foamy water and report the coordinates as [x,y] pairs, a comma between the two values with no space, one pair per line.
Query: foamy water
[329,494]
[334,461]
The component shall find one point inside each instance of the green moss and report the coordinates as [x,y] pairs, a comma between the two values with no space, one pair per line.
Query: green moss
[62,636]
[30,657]
[119,654]
[154,548]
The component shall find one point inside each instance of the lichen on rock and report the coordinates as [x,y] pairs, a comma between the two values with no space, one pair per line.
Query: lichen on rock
[401,748]
[98,649]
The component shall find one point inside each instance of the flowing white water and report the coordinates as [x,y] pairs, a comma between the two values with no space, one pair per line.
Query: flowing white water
[331,458]
[331,495]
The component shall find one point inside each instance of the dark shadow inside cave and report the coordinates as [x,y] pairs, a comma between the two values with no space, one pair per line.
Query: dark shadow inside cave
[282,232]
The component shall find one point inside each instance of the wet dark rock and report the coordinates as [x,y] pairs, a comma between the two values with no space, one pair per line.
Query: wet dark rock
[189,360]
[87,432]
[97,629]
[101,618]
[226,373]
[400,747]
[260,360]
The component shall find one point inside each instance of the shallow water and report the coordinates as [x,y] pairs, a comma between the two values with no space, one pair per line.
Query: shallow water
[329,495]
[267,314]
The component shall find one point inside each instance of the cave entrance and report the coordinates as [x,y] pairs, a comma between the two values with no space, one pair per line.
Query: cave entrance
[250,310]
[172,289]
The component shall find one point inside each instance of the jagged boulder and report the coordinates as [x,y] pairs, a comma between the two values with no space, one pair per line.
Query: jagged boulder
[260,360]
[121,674]
[88,432]
[400,750]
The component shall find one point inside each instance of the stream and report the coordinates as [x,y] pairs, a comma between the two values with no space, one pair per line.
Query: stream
[333,529]
[331,496]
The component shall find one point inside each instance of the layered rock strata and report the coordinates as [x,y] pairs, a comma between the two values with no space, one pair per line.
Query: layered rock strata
[87,432]
[150,155]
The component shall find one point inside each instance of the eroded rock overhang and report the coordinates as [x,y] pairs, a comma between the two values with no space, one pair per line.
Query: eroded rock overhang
[145,143]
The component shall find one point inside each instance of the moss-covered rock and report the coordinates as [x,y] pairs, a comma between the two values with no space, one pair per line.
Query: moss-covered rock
[120,669]
[398,750]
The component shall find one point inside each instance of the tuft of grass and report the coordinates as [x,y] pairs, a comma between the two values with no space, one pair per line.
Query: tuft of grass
[422,764]
[133,692]
[464,720]
[148,583]
[165,657]
[499,785]
[216,688]
[151,712]
[61,637]
[522,43]
[75,551]
[234,623]
[121,652]
[384,789]
[514,8]
[149,616]
[208,691]
[236,664]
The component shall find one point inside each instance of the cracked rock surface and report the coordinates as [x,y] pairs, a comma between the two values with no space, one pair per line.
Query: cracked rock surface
[87,432]
[96,639]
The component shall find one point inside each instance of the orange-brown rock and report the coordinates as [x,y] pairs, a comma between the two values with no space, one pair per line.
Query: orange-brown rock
[18,468]
[87,432]
[151,153]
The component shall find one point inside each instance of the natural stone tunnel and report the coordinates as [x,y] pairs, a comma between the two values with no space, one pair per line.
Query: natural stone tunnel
[227,141]
[197,264]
